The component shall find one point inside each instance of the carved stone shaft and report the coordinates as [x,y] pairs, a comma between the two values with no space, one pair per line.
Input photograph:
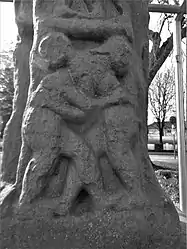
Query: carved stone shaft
[84,178]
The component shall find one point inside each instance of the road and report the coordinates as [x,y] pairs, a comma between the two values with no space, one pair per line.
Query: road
[167,158]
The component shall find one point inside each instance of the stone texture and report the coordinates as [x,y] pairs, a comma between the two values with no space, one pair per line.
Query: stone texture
[100,230]
[84,179]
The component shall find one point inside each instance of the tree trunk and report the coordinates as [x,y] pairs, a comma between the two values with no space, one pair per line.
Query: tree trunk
[5,119]
[12,133]
[159,57]
[161,139]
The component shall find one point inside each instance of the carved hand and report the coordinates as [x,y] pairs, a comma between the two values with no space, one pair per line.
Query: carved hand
[76,98]
[118,96]
[80,100]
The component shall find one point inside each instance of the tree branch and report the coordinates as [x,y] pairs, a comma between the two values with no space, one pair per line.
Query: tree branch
[163,22]
[161,55]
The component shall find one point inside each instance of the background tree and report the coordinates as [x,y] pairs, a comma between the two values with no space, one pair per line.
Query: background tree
[162,99]
[6,88]
[161,49]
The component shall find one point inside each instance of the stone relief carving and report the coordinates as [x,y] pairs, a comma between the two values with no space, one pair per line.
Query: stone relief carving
[84,127]
[62,116]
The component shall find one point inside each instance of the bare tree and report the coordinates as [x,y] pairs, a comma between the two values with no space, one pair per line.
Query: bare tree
[162,49]
[6,88]
[162,98]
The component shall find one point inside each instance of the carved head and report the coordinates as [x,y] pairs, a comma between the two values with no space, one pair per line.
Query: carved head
[55,47]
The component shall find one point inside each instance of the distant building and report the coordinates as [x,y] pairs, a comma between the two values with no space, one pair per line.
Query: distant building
[153,129]
[168,140]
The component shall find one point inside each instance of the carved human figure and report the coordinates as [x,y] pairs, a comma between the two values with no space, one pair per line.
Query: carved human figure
[118,125]
[46,134]
[43,140]
[97,82]
[51,156]
[107,63]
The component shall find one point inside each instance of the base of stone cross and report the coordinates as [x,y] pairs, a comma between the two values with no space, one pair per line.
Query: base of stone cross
[128,229]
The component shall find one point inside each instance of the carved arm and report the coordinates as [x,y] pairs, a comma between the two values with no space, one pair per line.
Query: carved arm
[80,100]
[62,83]
[65,110]
[91,28]
[116,97]
[67,92]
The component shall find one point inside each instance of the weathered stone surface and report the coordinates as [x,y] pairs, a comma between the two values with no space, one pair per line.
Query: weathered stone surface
[84,179]
[107,229]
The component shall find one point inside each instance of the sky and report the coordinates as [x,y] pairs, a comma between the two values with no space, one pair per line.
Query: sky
[8,29]
[8,32]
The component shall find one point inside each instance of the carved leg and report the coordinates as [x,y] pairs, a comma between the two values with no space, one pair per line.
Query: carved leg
[71,189]
[126,168]
[86,164]
[35,173]
[121,136]
[83,156]
[87,168]
[124,165]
